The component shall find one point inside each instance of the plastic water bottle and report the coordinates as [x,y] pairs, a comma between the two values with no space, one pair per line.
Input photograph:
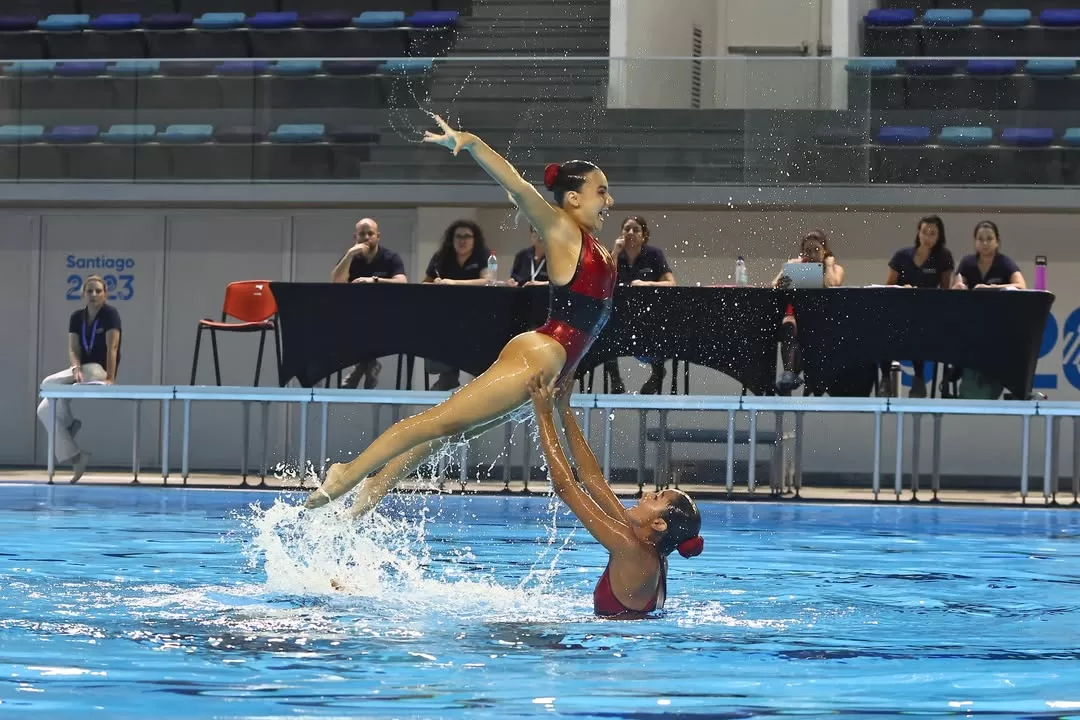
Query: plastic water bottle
[741,278]
[1040,272]
[493,268]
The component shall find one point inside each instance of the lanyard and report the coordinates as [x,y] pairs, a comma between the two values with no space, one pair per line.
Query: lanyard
[534,268]
[88,344]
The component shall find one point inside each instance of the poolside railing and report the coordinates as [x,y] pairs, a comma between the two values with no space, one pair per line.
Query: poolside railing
[1052,412]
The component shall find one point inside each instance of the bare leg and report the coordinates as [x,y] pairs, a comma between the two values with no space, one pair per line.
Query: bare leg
[376,487]
[501,389]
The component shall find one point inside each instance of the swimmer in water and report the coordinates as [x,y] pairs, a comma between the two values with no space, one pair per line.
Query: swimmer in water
[582,280]
[638,538]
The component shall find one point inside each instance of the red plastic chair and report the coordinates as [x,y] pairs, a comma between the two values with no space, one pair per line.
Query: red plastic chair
[252,303]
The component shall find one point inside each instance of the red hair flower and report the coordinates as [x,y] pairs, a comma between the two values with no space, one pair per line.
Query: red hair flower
[551,174]
[693,546]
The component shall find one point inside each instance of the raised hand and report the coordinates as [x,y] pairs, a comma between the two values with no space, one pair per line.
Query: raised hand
[542,393]
[450,137]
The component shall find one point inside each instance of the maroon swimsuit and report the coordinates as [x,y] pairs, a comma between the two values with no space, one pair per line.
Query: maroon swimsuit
[578,311]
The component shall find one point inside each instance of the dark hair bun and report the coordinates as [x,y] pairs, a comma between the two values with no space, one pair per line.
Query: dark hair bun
[551,174]
[693,546]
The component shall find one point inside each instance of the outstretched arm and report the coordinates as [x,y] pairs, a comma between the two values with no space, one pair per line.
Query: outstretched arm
[612,533]
[548,221]
[592,477]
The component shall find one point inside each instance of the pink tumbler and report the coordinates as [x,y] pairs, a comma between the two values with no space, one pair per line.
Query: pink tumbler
[1040,272]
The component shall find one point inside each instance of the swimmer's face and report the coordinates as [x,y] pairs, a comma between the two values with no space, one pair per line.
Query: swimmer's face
[590,205]
[94,293]
[656,504]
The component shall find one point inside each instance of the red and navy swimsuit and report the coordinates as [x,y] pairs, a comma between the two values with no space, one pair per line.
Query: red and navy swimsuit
[578,311]
[607,605]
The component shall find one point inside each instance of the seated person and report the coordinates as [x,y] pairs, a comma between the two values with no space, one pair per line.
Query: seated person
[93,356]
[367,261]
[640,265]
[813,248]
[530,265]
[928,264]
[460,260]
[986,269]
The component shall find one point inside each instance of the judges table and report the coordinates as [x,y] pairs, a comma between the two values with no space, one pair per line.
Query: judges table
[997,332]
[328,327]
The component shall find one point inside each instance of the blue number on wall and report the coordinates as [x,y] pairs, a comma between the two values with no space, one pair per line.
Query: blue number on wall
[110,286]
[1047,381]
[74,283]
[127,287]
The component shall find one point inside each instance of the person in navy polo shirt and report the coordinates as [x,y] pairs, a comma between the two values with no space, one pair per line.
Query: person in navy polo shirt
[988,268]
[928,264]
[93,356]
[367,261]
[530,265]
[640,265]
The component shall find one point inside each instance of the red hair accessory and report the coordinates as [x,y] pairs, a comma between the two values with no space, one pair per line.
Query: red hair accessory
[551,174]
[693,546]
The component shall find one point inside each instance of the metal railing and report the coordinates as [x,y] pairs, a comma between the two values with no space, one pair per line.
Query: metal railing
[1052,413]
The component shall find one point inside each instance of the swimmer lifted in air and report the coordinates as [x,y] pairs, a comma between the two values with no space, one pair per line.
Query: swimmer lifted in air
[582,274]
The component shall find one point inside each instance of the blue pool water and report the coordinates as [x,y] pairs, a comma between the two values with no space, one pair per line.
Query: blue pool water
[217,604]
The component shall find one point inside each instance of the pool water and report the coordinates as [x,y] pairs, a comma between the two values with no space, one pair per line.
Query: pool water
[171,603]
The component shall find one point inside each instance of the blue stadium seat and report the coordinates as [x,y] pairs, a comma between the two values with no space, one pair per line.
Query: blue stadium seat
[992,85]
[1071,137]
[1005,17]
[1059,33]
[274,20]
[903,135]
[294,68]
[31,67]
[299,133]
[220,21]
[407,66]
[376,20]
[874,83]
[948,33]
[72,134]
[15,40]
[1050,66]
[1028,137]
[326,20]
[434,19]
[243,68]
[129,134]
[1060,18]
[21,134]
[934,84]
[948,17]
[131,68]
[890,32]
[965,136]
[115,22]
[169,21]
[186,134]
[64,23]
[80,69]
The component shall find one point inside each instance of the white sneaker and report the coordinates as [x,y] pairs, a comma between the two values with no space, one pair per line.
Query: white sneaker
[79,466]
